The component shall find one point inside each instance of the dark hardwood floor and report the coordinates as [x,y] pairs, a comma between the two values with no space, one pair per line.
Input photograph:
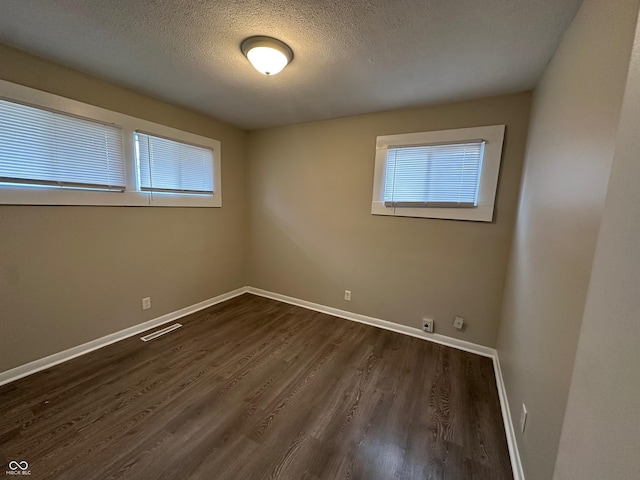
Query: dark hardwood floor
[257,389]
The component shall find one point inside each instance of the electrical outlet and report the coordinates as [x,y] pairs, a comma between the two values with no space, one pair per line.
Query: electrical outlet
[458,323]
[523,418]
[146,303]
[347,295]
[427,325]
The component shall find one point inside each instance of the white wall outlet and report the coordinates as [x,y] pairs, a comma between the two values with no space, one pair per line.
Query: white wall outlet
[523,418]
[347,295]
[427,324]
[458,323]
[146,303]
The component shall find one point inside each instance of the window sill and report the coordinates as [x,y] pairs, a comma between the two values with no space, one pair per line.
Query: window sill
[10,195]
[481,213]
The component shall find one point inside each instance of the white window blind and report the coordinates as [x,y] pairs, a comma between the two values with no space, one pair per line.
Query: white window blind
[169,166]
[43,148]
[439,175]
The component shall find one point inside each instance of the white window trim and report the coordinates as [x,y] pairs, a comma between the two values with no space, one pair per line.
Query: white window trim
[483,212]
[13,195]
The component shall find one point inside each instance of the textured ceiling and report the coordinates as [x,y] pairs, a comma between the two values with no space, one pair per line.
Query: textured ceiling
[351,57]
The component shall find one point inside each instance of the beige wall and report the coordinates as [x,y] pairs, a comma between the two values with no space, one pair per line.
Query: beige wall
[601,431]
[72,274]
[570,149]
[313,235]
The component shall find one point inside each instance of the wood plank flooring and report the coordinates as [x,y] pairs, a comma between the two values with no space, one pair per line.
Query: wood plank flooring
[257,389]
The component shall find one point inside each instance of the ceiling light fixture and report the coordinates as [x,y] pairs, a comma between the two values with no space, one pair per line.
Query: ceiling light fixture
[267,55]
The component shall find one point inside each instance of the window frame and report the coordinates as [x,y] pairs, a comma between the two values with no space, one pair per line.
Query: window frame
[493,135]
[132,196]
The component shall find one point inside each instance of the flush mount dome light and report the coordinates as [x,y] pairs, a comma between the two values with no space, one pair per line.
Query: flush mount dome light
[267,55]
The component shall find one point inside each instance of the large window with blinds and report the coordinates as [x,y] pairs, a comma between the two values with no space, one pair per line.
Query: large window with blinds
[48,149]
[448,174]
[56,151]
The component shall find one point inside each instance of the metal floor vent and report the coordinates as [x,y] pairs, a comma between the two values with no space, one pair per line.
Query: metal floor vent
[159,333]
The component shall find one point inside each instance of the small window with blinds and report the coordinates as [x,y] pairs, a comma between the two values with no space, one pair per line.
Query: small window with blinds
[43,148]
[448,174]
[173,167]
[429,176]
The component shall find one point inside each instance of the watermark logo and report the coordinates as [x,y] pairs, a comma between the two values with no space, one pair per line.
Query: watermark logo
[18,468]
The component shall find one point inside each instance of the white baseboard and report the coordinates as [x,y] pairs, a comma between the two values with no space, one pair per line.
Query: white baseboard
[376,322]
[57,358]
[514,455]
[66,355]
